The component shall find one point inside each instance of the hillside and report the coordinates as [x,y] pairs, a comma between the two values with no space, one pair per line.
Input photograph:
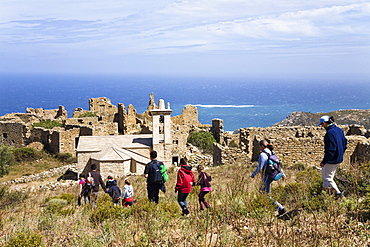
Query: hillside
[342,117]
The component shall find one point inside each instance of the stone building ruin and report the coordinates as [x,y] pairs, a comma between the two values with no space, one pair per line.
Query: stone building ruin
[157,129]
[293,144]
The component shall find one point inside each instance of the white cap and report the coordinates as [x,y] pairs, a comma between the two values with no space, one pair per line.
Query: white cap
[324,119]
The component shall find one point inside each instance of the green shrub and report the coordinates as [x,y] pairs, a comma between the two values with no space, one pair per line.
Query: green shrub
[26,239]
[311,178]
[48,124]
[298,167]
[202,140]
[60,205]
[6,160]
[26,154]
[65,157]
[106,210]
[260,206]
[87,114]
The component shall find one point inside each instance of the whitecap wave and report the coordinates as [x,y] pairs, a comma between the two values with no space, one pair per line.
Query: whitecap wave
[230,106]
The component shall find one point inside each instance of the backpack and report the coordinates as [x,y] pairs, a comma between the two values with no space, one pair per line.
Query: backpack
[163,169]
[90,180]
[273,168]
[86,188]
[155,175]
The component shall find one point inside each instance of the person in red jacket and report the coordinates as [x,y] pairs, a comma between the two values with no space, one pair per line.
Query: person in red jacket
[185,181]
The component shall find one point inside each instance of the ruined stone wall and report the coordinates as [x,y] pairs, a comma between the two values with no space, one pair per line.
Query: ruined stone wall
[53,114]
[13,133]
[180,134]
[103,107]
[26,118]
[69,140]
[226,155]
[82,121]
[217,130]
[189,116]
[294,144]
[361,154]
[78,111]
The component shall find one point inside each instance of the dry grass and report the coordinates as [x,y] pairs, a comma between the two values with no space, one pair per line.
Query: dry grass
[240,216]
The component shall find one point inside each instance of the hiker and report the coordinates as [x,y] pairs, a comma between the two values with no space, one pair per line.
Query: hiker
[84,191]
[263,161]
[114,192]
[335,144]
[97,180]
[185,181]
[110,182]
[205,187]
[153,177]
[128,194]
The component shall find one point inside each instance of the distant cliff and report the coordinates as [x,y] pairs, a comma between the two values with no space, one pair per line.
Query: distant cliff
[342,117]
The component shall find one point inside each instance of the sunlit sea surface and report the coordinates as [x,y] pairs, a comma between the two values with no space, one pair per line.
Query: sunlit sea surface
[240,102]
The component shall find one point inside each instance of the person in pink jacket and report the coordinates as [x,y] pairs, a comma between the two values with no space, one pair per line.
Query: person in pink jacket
[185,181]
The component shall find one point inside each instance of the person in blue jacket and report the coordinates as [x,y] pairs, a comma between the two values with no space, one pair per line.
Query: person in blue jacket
[335,144]
[114,192]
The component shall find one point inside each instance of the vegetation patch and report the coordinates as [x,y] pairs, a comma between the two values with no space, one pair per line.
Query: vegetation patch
[203,140]
[48,124]
[87,114]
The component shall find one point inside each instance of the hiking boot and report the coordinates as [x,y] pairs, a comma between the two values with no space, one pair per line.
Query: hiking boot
[338,195]
[281,211]
[185,211]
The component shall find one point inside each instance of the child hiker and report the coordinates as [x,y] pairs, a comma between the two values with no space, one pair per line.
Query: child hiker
[114,192]
[84,191]
[185,181]
[128,194]
[205,186]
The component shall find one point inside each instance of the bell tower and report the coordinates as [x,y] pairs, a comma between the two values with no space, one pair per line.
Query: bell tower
[162,126]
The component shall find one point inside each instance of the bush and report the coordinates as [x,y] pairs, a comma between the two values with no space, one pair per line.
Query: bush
[60,205]
[202,140]
[6,160]
[65,157]
[87,114]
[26,239]
[106,210]
[26,154]
[48,124]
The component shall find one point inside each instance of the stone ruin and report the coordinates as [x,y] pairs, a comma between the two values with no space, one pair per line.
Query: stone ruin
[294,144]
[16,128]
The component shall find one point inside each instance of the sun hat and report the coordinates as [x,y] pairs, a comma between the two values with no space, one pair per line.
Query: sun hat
[324,119]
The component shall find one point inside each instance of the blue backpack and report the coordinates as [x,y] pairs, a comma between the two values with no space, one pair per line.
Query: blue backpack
[155,175]
[273,168]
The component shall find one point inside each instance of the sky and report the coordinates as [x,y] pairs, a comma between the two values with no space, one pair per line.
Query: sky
[201,37]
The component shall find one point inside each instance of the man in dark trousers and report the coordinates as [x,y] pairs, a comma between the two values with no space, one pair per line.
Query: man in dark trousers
[95,187]
[150,172]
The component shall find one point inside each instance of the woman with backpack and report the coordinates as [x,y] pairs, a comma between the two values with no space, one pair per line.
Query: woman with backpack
[263,163]
[185,181]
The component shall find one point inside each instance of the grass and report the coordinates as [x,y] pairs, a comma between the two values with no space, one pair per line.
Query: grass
[239,216]
[32,167]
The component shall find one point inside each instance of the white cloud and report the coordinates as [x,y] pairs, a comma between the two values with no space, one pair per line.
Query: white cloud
[110,29]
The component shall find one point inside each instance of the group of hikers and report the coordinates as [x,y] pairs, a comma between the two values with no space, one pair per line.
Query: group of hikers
[89,189]
[335,145]
[156,176]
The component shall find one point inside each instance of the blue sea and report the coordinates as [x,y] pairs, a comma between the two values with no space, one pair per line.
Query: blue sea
[240,102]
